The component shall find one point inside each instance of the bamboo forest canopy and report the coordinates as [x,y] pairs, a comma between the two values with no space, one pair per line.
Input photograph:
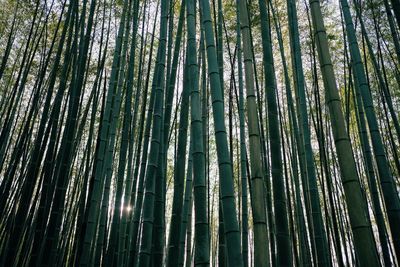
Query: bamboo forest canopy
[199,133]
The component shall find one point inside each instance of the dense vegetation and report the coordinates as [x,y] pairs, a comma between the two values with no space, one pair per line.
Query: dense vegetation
[197,133]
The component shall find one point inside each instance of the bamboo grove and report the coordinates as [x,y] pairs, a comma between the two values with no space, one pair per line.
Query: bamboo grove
[198,133]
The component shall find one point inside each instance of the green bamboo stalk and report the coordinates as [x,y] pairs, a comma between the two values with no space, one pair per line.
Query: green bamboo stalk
[151,170]
[232,233]
[363,239]
[243,159]
[201,242]
[391,198]
[261,243]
